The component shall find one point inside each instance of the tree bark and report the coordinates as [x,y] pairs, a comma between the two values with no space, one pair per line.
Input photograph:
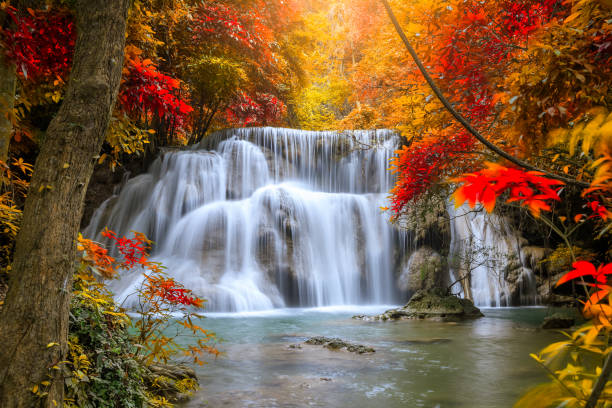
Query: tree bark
[8,82]
[34,318]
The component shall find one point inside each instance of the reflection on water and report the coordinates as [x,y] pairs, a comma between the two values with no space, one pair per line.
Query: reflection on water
[478,364]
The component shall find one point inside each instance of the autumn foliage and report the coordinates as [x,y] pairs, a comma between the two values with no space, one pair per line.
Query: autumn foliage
[161,299]
[528,188]
[147,93]
[262,109]
[420,165]
[40,43]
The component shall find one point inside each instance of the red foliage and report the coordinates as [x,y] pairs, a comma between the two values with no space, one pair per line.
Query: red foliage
[225,24]
[583,268]
[41,43]
[417,167]
[477,42]
[263,109]
[221,21]
[170,291]
[593,308]
[134,251]
[599,210]
[98,257]
[482,38]
[146,91]
[529,188]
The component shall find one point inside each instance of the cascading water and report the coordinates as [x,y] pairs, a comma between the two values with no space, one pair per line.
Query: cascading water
[254,219]
[260,218]
[486,249]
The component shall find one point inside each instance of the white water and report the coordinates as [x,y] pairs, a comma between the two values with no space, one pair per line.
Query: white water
[256,219]
[263,218]
[483,245]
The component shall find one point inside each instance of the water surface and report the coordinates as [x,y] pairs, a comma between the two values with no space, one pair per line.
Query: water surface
[477,364]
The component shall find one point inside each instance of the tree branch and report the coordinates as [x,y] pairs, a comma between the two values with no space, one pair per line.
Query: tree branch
[601,382]
[467,125]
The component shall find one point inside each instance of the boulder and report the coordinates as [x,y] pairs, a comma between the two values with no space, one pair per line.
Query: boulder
[558,321]
[433,304]
[339,344]
[425,269]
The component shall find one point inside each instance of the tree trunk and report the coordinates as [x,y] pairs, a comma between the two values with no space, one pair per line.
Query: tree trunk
[34,318]
[8,82]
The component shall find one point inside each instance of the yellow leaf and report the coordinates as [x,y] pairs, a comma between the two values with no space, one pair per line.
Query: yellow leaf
[35,389]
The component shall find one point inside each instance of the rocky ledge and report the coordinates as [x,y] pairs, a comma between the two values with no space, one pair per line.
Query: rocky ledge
[338,344]
[432,304]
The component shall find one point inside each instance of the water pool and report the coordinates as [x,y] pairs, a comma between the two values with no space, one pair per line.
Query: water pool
[478,364]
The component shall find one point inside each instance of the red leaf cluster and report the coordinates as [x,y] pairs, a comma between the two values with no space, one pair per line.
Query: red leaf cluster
[221,21]
[593,308]
[599,210]
[528,188]
[259,110]
[146,91]
[171,291]
[41,43]
[134,251]
[417,167]
[98,256]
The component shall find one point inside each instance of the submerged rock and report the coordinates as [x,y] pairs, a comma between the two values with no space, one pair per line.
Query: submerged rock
[433,340]
[433,304]
[558,321]
[338,344]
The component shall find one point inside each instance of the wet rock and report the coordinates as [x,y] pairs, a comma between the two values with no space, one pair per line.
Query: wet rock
[558,321]
[434,340]
[339,344]
[433,304]
[425,269]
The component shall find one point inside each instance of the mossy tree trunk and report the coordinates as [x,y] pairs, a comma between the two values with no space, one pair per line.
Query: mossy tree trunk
[35,314]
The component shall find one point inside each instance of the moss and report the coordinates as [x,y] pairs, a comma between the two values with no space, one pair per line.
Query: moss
[432,304]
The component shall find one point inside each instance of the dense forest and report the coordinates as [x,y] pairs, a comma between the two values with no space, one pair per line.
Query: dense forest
[162,159]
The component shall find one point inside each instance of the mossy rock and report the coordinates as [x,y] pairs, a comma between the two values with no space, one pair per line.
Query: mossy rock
[339,344]
[432,304]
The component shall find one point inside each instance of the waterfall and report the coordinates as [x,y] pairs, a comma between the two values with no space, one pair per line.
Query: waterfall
[486,248]
[260,218]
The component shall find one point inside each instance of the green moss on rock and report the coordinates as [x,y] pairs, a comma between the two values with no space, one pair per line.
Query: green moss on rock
[432,304]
